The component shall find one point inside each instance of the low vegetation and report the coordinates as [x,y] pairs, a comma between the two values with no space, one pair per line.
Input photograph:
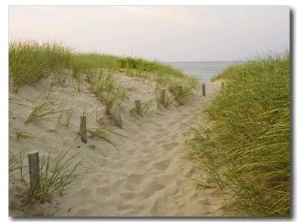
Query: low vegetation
[246,147]
[40,111]
[55,175]
[31,61]
[19,133]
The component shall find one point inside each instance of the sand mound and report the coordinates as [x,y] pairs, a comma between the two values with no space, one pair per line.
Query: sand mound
[141,171]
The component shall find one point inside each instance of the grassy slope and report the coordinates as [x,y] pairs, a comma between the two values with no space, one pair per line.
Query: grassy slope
[30,61]
[247,147]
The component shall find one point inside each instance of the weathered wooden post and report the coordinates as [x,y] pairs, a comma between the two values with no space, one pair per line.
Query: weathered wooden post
[34,170]
[163,96]
[223,85]
[117,114]
[138,107]
[203,89]
[179,90]
[83,131]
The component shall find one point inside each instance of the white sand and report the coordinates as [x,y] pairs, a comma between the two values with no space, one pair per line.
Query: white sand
[143,174]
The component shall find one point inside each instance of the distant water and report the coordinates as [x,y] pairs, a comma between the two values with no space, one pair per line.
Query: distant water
[204,71]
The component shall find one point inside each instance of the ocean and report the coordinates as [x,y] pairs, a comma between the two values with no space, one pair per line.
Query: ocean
[204,71]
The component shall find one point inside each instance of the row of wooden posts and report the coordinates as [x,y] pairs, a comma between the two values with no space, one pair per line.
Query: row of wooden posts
[33,157]
[117,112]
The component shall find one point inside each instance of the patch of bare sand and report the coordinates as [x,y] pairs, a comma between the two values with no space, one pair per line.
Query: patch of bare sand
[142,173]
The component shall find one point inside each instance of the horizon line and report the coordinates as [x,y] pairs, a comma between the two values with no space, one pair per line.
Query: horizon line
[205,61]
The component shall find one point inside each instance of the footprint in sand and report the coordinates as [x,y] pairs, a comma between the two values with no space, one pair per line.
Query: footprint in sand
[142,164]
[103,191]
[151,189]
[133,181]
[165,206]
[165,179]
[161,165]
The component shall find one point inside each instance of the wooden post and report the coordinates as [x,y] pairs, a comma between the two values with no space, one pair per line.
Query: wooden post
[34,169]
[117,114]
[223,85]
[138,107]
[179,90]
[83,131]
[163,96]
[203,89]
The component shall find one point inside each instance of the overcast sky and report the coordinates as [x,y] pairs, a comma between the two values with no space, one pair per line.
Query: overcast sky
[165,33]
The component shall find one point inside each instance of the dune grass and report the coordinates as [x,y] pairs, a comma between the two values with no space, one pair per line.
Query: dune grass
[65,114]
[19,133]
[15,160]
[247,146]
[55,175]
[30,61]
[40,111]
[145,107]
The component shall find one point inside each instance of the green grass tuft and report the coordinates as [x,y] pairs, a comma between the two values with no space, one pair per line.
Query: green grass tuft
[30,61]
[247,146]
[55,176]
[39,112]
[19,133]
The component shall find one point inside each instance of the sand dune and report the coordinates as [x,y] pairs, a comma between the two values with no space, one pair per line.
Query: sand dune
[141,173]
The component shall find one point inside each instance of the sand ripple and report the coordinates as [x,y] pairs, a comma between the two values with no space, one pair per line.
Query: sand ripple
[145,176]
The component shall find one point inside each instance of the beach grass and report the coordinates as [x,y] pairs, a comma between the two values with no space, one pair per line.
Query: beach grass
[40,111]
[165,99]
[100,132]
[30,61]
[246,147]
[145,107]
[55,174]
[15,160]
[19,133]
[66,112]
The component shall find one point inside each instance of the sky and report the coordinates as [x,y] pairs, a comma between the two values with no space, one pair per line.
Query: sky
[164,33]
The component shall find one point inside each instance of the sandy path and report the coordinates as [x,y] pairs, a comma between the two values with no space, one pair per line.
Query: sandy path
[145,174]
